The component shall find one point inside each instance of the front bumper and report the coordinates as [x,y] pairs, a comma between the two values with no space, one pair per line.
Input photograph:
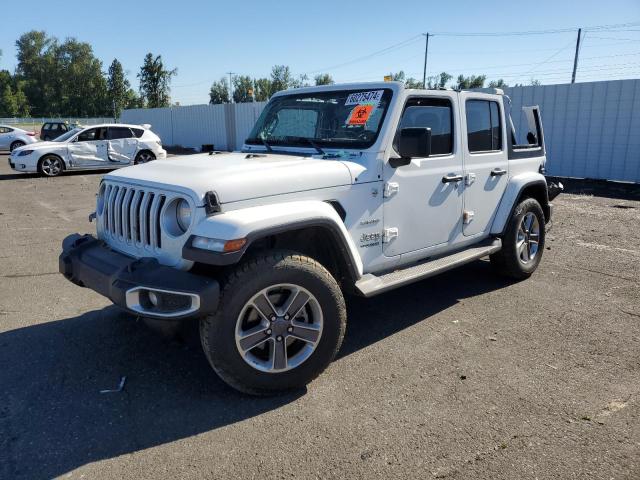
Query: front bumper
[141,286]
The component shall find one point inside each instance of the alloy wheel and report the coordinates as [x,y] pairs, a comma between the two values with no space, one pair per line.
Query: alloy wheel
[528,238]
[51,166]
[279,328]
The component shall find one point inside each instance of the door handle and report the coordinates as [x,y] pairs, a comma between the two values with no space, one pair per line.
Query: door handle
[451,178]
[496,172]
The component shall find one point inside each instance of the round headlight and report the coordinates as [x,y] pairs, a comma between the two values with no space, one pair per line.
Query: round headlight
[183,214]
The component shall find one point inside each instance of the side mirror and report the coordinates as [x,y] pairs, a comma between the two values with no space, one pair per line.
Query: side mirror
[413,142]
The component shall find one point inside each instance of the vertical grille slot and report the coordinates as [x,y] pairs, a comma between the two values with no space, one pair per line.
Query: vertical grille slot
[132,216]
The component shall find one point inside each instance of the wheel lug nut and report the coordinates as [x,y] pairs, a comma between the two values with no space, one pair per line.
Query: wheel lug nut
[268,332]
[273,318]
[286,317]
[279,338]
[290,329]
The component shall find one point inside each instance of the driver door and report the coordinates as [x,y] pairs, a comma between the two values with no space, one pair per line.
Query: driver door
[423,200]
[90,148]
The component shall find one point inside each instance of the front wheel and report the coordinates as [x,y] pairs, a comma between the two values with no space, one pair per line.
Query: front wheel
[280,322]
[50,166]
[523,241]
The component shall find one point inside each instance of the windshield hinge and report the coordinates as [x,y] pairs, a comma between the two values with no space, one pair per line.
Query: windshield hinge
[390,189]
[389,234]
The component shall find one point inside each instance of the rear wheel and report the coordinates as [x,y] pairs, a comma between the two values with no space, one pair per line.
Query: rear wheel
[144,157]
[280,322]
[16,144]
[523,241]
[50,166]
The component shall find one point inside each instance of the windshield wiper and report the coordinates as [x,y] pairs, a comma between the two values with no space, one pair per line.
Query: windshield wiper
[308,141]
[262,141]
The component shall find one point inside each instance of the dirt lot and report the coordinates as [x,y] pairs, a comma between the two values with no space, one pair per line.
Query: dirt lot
[462,376]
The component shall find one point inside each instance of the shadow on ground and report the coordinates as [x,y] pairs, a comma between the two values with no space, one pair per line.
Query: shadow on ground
[53,418]
[24,176]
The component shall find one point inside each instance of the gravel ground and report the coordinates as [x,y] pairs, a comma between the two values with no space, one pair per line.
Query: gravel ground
[462,376]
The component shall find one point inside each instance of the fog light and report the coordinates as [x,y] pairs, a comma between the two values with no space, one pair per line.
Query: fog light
[153,298]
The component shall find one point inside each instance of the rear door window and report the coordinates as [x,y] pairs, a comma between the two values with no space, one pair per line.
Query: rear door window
[484,132]
[116,133]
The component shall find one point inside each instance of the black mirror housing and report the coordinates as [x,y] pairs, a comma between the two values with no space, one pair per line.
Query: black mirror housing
[414,142]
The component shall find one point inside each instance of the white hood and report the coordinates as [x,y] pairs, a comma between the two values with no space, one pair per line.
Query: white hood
[239,176]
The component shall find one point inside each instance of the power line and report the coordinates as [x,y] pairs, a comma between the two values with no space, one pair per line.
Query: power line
[389,49]
[536,32]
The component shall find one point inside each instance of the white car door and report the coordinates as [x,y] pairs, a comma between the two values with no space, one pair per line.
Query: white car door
[6,135]
[122,145]
[89,149]
[486,164]
[423,199]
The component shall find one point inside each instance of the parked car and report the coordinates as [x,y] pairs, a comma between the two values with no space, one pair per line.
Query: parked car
[12,137]
[360,188]
[95,147]
[52,130]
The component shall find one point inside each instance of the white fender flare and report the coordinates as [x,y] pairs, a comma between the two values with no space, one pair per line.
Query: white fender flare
[510,197]
[258,222]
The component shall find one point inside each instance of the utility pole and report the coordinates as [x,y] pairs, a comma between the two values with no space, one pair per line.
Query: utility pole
[231,86]
[575,59]
[426,52]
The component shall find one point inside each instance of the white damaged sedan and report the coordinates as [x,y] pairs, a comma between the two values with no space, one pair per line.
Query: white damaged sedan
[96,147]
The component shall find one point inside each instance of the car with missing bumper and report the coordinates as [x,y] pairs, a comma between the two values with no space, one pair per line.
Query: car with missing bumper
[340,189]
[106,146]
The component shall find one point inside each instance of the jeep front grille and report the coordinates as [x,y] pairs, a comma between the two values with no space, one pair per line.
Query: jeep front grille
[132,215]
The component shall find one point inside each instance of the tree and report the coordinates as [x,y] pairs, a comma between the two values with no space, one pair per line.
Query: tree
[323,79]
[438,81]
[281,79]
[408,82]
[473,81]
[8,104]
[242,89]
[155,82]
[219,92]
[262,89]
[500,83]
[36,66]
[118,88]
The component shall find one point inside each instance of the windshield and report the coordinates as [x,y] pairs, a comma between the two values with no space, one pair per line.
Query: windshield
[66,136]
[334,119]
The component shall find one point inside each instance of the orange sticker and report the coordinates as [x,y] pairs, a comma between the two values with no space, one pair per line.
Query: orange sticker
[360,114]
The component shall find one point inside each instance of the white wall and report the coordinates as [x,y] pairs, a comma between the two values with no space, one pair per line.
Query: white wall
[225,126]
[592,130]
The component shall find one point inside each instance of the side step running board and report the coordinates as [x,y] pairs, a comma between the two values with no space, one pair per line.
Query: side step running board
[370,285]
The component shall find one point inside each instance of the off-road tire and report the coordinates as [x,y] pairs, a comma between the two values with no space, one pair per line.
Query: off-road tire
[507,261]
[217,331]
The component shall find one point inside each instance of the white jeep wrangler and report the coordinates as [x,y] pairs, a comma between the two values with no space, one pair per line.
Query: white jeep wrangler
[346,188]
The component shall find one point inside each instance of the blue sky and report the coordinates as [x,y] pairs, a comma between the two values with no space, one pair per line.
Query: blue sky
[205,39]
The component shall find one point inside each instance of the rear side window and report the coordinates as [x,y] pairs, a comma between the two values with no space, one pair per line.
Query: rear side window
[138,132]
[116,133]
[5,129]
[484,132]
[433,113]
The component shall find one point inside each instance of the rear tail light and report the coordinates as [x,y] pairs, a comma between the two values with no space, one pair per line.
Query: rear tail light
[31,134]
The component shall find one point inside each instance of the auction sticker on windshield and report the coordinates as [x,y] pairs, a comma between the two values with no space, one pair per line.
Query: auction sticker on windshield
[360,114]
[372,97]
